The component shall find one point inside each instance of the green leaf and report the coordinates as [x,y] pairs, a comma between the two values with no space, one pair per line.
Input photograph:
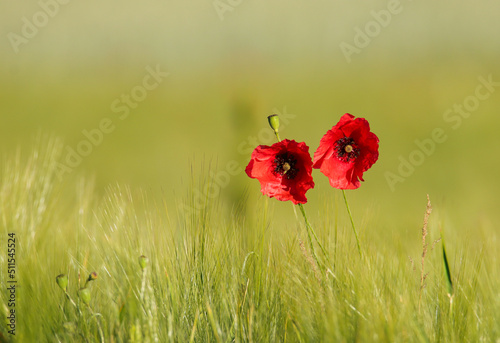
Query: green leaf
[447,267]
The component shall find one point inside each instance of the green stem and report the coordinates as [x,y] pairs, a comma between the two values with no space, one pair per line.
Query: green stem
[311,245]
[309,227]
[94,315]
[69,298]
[336,233]
[352,222]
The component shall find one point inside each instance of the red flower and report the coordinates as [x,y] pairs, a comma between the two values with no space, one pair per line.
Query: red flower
[346,151]
[283,170]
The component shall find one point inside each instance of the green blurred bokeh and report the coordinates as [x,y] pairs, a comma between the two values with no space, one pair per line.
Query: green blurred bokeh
[226,76]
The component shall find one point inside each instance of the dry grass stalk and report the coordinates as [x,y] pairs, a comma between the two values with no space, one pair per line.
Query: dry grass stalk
[309,260]
[423,276]
[412,263]
[435,242]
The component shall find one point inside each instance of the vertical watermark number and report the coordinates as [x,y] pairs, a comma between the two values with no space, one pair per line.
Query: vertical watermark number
[11,283]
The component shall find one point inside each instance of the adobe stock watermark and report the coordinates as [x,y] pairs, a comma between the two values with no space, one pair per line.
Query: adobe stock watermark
[31,26]
[363,36]
[222,178]
[223,6]
[455,115]
[121,106]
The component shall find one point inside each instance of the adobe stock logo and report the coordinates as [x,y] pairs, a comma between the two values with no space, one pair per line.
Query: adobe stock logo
[31,26]
[455,115]
[121,106]
[223,6]
[364,36]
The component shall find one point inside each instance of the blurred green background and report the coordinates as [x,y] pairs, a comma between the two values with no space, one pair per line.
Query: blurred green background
[229,70]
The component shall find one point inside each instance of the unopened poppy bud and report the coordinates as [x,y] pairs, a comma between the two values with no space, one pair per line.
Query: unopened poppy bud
[62,281]
[92,276]
[274,122]
[84,295]
[143,262]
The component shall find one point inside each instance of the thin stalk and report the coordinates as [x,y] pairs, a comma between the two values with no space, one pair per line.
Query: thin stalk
[143,286]
[352,222]
[94,315]
[308,225]
[69,298]
[311,245]
[309,228]
[336,233]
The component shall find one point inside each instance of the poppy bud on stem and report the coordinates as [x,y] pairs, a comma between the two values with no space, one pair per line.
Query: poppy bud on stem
[143,262]
[92,277]
[84,295]
[274,122]
[62,281]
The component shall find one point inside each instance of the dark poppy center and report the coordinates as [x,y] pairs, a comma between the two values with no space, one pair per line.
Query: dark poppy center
[285,164]
[346,149]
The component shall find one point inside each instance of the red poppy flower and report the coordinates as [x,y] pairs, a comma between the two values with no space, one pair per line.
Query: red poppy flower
[346,151]
[283,169]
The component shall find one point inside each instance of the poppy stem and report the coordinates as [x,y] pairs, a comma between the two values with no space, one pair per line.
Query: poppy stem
[309,227]
[352,222]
